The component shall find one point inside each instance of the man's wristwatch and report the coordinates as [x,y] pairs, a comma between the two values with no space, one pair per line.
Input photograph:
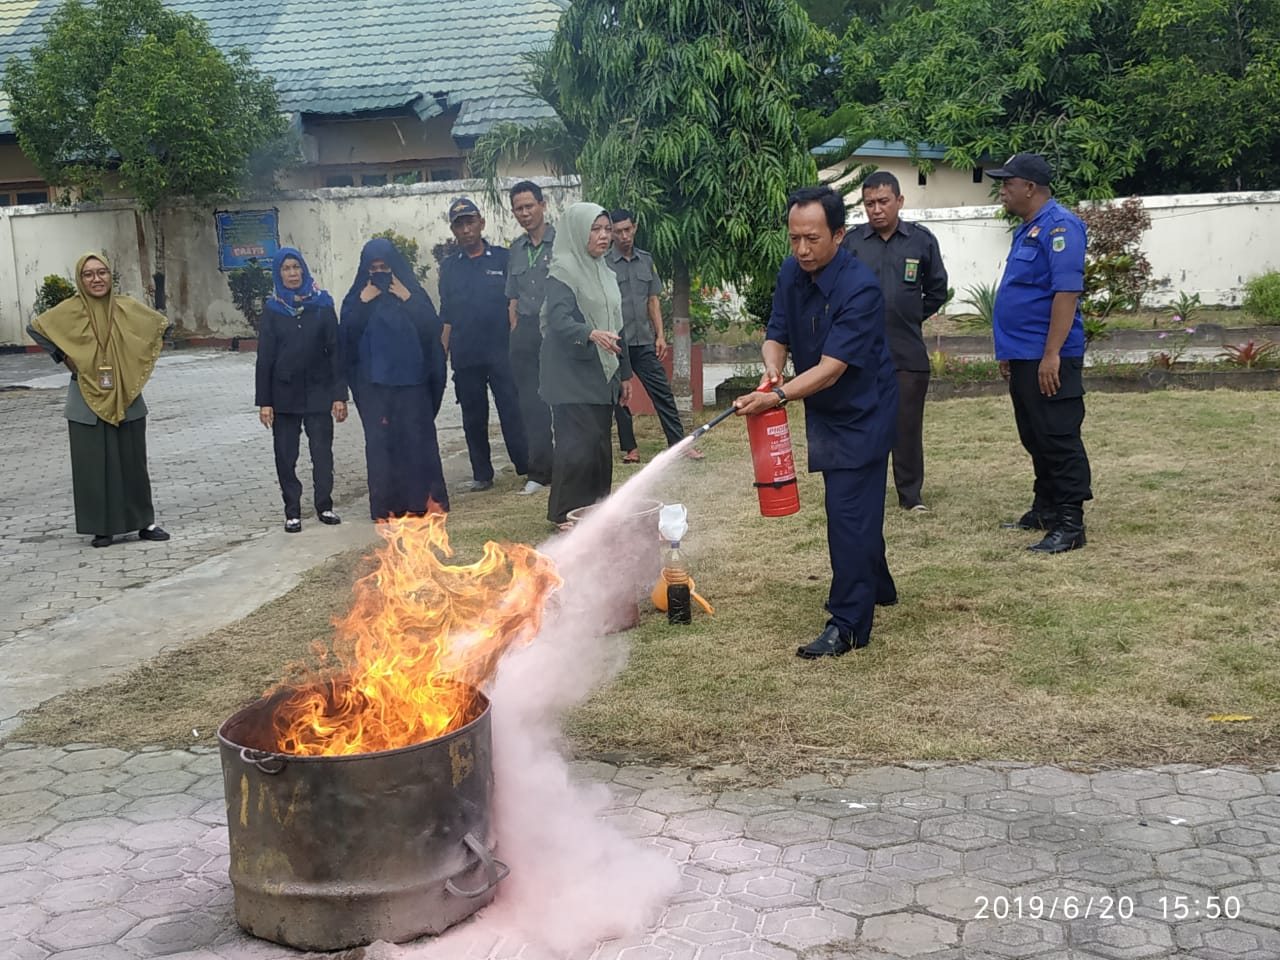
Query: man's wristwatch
[782,397]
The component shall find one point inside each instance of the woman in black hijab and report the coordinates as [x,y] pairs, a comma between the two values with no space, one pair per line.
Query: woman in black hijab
[390,336]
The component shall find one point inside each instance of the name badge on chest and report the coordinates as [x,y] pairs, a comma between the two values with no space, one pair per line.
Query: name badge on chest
[911,272]
[106,378]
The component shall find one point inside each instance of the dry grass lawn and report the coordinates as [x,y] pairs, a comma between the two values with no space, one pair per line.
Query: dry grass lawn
[1115,654]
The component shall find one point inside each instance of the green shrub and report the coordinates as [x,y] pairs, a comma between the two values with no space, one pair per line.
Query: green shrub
[250,286]
[52,291]
[1262,296]
[982,298]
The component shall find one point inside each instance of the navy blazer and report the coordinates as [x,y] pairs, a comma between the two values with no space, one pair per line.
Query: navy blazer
[299,366]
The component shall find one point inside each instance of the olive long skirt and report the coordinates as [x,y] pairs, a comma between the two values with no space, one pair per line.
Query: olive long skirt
[109,477]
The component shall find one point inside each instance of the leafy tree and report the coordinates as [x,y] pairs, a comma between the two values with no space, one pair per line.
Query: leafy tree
[129,86]
[684,112]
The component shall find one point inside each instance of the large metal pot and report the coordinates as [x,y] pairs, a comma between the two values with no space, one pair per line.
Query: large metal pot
[335,852]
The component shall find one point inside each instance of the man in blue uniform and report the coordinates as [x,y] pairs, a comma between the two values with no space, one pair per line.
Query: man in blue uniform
[473,308]
[1039,338]
[829,312]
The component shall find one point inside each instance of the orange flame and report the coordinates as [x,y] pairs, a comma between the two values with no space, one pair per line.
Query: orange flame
[422,637]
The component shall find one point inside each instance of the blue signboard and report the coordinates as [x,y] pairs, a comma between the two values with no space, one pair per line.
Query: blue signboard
[245,235]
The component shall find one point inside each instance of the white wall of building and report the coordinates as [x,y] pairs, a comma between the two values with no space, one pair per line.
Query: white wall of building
[329,226]
[1208,244]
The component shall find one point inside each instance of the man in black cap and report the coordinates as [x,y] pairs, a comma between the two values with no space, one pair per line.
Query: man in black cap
[473,308]
[906,260]
[1039,340]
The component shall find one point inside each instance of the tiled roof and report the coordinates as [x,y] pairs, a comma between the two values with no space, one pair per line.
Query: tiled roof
[352,56]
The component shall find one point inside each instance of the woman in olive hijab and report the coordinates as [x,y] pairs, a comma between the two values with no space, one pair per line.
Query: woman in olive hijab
[584,369]
[110,344]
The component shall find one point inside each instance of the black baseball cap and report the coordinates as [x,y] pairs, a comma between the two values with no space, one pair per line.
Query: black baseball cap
[1027,166]
[462,207]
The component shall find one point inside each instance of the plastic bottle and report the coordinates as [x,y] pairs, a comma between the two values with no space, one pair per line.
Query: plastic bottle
[676,573]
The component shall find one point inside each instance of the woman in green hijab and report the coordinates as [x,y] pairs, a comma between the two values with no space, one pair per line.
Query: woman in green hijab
[110,344]
[584,370]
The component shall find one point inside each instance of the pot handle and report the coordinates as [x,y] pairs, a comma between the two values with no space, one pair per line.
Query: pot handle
[268,763]
[495,870]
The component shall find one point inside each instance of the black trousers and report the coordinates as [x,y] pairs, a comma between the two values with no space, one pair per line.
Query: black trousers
[536,415]
[649,371]
[860,575]
[583,468]
[401,451]
[908,450]
[286,434]
[1049,428]
[471,385]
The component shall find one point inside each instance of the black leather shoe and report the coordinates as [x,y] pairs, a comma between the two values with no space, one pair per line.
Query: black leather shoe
[329,517]
[1033,519]
[1067,533]
[103,540]
[479,486]
[152,533]
[830,643]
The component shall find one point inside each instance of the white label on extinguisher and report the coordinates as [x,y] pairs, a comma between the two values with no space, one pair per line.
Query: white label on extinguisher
[784,467]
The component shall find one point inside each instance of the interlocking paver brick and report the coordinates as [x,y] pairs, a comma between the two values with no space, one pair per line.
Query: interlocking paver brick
[677,851]
[915,862]
[801,928]
[96,758]
[788,826]
[1013,938]
[645,778]
[24,949]
[168,864]
[88,807]
[1109,865]
[23,831]
[1209,867]
[737,854]
[20,856]
[174,933]
[921,804]
[88,861]
[165,806]
[1055,834]
[1009,864]
[1258,809]
[158,784]
[767,888]
[21,919]
[958,898]
[1223,939]
[1220,784]
[24,886]
[669,800]
[1133,784]
[908,935]
[709,921]
[1236,836]
[159,898]
[1157,899]
[84,893]
[879,781]
[634,822]
[1122,939]
[1185,810]
[648,948]
[1258,902]
[1153,836]
[864,895]
[964,831]
[1008,805]
[872,830]
[704,826]
[622,796]
[965,779]
[162,834]
[29,804]
[1049,781]
[84,833]
[698,883]
[745,950]
[85,928]
[825,858]
[748,803]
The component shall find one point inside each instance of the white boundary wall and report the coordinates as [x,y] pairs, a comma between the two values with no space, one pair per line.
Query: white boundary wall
[1208,244]
[329,226]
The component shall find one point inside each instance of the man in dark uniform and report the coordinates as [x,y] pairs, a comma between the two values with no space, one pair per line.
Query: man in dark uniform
[828,310]
[642,334]
[1039,338]
[526,287]
[473,308]
[906,260]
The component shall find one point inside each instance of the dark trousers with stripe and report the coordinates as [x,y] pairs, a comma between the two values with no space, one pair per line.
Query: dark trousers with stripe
[471,386]
[860,575]
[286,435]
[1049,428]
[908,450]
[525,367]
[650,372]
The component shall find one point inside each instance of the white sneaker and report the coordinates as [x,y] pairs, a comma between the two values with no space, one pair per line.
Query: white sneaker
[919,508]
[531,486]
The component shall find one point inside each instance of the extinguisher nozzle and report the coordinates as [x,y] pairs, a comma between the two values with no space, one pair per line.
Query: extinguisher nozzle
[707,426]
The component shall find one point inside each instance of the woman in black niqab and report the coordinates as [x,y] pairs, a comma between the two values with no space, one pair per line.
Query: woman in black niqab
[396,368]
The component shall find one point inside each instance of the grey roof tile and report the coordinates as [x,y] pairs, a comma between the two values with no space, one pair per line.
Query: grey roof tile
[354,56]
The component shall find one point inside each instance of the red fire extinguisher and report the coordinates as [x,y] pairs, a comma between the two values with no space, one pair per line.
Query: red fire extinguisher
[771,456]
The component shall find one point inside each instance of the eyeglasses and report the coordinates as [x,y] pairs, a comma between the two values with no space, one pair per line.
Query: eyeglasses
[96,275]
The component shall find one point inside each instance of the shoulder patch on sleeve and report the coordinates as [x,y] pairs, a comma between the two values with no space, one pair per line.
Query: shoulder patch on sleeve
[1059,243]
[1057,230]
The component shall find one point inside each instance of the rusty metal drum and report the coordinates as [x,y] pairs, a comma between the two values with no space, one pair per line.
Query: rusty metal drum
[336,852]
